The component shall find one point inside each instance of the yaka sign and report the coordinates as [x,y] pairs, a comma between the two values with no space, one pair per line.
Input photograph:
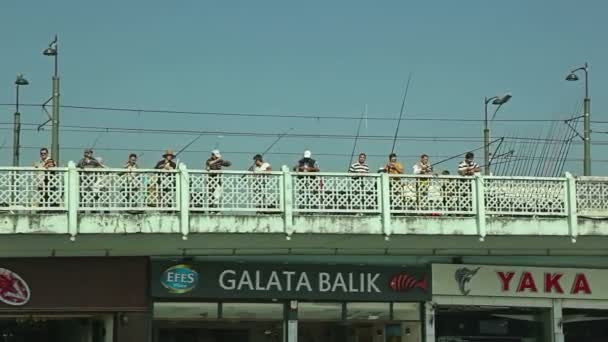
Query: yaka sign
[518,281]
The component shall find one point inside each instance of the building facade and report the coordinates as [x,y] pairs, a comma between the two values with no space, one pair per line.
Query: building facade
[74,299]
[221,256]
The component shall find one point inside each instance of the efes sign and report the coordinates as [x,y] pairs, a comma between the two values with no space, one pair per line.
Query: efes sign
[297,281]
[179,279]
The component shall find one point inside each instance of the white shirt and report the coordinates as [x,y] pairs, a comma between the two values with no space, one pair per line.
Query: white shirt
[264,167]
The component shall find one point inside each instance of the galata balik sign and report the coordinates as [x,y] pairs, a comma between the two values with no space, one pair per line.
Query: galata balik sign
[293,281]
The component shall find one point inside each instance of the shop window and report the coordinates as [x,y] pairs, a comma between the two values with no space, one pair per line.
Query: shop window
[368,311]
[320,311]
[406,311]
[189,311]
[252,311]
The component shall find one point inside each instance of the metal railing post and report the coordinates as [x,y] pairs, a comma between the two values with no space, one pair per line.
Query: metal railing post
[385,203]
[287,196]
[72,199]
[479,204]
[183,197]
[571,207]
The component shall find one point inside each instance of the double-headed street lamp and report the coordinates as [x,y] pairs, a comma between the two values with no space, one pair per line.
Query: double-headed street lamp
[20,81]
[53,51]
[497,101]
[586,118]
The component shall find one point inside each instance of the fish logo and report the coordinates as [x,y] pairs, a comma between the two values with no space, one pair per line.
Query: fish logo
[463,276]
[13,289]
[404,282]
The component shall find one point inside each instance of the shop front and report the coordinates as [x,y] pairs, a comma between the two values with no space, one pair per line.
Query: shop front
[74,300]
[247,302]
[474,303]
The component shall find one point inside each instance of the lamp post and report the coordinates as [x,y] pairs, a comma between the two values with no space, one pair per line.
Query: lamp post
[586,118]
[53,51]
[497,101]
[20,81]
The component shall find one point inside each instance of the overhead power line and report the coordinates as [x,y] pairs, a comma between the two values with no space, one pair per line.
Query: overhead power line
[126,130]
[307,116]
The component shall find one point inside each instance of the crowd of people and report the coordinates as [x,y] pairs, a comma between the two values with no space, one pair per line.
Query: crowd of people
[467,167]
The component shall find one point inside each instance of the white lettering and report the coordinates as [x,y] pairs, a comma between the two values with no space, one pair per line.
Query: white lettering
[339,281]
[190,277]
[303,281]
[361,282]
[274,281]
[289,274]
[371,282]
[227,284]
[245,281]
[258,286]
[351,282]
[324,284]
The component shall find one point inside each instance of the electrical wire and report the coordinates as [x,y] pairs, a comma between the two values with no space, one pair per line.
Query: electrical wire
[306,116]
[97,129]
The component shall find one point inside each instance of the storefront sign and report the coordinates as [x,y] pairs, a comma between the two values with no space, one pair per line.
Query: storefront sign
[179,279]
[515,281]
[74,284]
[257,281]
[13,289]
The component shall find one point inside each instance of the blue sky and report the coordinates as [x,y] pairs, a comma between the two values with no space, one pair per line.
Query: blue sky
[313,58]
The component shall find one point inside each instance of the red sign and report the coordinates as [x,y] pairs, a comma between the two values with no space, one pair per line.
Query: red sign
[13,289]
[551,283]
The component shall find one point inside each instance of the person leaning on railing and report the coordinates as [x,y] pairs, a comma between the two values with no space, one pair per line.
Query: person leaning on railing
[467,167]
[45,180]
[393,167]
[88,181]
[260,181]
[309,186]
[358,183]
[159,190]
[131,182]
[423,167]
[214,185]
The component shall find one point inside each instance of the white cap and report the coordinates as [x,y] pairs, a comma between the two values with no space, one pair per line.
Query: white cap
[216,153]
[307,154]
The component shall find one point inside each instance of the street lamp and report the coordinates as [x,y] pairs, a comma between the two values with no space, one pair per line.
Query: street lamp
[20,81]
[53,51]
[497,101]
[586,118]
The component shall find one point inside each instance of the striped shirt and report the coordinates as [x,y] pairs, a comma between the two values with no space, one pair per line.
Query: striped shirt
[359,168]
[466,169]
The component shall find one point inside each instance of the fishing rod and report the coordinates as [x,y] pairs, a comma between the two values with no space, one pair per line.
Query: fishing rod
[573,134]
[407,87]
[281,136]
[188,145]
[496,151]
[460,154]
[543,153]
[500,167]
[534,150]
[352,155]
[98,137]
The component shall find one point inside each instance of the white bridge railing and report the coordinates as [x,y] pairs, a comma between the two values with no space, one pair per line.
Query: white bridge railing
[242,192]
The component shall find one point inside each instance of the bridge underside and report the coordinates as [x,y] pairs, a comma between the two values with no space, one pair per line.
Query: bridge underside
[17,245]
